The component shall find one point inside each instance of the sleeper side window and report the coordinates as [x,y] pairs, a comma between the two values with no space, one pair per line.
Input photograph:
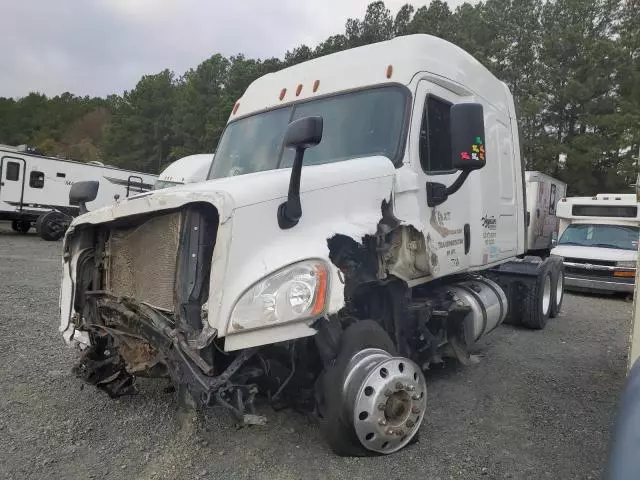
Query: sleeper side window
[36,179]
[12,172]
[435,136]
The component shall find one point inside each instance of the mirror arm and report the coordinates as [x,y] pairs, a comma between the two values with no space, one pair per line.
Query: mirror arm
[289,212]
[438,193]
[455,186]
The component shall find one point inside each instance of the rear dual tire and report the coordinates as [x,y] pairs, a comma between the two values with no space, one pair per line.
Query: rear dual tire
[544,299]
[557,289]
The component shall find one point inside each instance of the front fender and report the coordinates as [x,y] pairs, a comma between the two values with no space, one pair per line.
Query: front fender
[257,247]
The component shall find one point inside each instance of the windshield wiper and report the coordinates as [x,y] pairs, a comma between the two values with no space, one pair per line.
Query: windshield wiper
[608,245]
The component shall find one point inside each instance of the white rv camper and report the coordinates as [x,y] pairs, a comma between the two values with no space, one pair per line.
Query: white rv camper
[33,185]
[598,239]
[190,169]
[543,194]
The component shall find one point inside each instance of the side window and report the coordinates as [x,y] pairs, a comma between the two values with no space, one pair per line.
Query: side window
[36,179]
[13,171]
[435,136]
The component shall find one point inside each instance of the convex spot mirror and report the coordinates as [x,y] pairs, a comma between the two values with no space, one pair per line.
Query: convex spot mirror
[467,137]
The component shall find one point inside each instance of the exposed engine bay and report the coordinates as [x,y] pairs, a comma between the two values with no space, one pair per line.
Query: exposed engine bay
[143,287]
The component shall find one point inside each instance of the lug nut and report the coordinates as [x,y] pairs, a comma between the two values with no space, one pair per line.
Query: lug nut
[416,396]
[415,410]
[399,432]
[399,386]
[390,431]
[381,406]
[382,422]
[411,388]
[388,392]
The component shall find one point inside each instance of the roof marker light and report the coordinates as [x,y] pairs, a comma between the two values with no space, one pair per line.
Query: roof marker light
[389,71]
[283,92]
[298,90]
[316,84]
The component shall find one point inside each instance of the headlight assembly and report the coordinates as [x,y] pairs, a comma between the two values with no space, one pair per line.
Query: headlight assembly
[296,292]
[627,264]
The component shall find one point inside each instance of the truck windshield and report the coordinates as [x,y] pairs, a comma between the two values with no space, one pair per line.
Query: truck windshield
[622,237]
[356,124]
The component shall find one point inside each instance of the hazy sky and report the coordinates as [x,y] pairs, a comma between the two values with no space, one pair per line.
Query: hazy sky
[98,47]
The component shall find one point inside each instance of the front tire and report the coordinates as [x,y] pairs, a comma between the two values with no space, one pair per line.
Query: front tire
[372,402]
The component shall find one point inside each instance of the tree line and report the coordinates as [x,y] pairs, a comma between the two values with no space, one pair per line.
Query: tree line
[572,65]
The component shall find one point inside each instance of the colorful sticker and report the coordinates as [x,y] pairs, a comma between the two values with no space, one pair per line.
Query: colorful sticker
[477,151]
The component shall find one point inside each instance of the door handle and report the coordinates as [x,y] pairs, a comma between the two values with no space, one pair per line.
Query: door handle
[467,238]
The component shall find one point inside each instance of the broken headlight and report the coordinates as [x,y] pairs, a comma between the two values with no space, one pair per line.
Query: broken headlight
[296,292]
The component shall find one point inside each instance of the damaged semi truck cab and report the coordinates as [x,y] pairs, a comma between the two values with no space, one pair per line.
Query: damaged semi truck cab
[363,219]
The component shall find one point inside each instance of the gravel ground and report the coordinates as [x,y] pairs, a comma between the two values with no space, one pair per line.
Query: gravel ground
[539,405]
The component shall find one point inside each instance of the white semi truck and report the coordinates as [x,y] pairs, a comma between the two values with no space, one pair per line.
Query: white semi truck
[364,218]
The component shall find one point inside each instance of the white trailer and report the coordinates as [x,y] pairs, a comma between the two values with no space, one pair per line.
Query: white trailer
[33,185]
[363,219]
[543,194]
[189,169]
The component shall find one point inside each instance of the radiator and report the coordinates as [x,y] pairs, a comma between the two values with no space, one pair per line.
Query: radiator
[142,261]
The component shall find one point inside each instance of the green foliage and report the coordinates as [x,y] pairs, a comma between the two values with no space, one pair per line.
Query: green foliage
[572,65]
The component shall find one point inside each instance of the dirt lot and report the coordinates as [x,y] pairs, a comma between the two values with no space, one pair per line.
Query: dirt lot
[539,405]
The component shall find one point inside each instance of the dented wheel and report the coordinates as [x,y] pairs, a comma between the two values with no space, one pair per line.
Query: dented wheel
[373,402]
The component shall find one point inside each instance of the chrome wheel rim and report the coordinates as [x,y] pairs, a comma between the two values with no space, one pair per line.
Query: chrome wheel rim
[386,398]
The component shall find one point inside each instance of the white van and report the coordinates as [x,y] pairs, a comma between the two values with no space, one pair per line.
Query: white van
[598,240]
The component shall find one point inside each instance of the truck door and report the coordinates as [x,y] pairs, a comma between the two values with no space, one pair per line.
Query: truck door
[12,172]
[446,226]
[499,218]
